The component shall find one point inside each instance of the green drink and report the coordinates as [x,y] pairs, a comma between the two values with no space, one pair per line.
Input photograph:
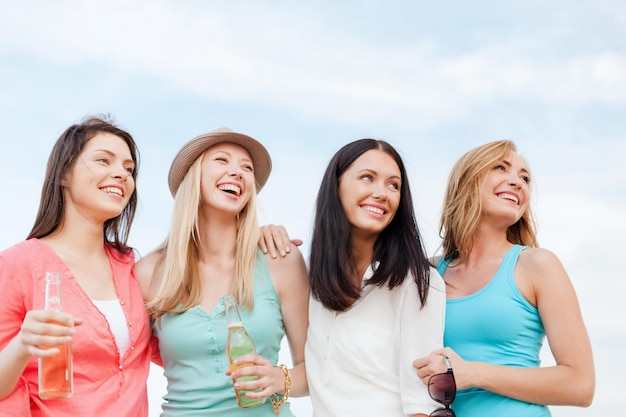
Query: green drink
[239,343]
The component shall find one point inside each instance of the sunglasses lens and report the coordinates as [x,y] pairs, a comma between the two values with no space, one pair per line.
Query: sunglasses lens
[443,389]
[443,412]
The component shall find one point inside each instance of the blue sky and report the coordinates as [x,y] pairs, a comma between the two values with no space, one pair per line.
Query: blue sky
[306,78]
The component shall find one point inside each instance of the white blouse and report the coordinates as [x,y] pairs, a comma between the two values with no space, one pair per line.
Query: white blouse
[360,362]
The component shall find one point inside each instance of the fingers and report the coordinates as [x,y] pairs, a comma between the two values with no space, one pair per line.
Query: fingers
[258,367]
[431,364]
[265,236]
[43,328]
[274,239]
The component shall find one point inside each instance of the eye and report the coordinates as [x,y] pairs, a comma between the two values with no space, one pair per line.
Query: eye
[500,167]
[247,167]
[366,178]
[394,185]
[130,170]
[221,159]
[103,160]
[526,179]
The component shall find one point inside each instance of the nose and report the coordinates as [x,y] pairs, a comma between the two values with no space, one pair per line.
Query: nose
[121,173]
[515,181]
[235,171]
[380,191]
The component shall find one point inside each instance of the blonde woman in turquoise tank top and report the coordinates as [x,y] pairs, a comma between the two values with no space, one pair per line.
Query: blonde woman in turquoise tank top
[211,251]
[504,295]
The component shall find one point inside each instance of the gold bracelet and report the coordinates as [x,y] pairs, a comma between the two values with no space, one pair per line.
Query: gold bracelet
[277,403]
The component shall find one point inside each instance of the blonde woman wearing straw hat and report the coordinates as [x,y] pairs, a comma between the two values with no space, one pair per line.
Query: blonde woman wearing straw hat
[211,251]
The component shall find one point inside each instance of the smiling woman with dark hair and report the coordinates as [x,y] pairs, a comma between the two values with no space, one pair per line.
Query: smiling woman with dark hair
[87,207]
[375,301]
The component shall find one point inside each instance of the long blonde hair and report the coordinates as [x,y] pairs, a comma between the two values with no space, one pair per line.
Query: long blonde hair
[462,205]
[179,283]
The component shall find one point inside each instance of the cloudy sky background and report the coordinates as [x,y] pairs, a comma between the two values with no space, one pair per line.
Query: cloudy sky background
[306,78]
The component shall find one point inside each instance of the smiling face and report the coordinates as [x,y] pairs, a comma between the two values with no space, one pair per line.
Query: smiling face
[100,183]
[227,177]
[369,191]
[505,189]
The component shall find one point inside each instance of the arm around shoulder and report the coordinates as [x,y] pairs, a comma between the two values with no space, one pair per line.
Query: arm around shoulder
[289,276]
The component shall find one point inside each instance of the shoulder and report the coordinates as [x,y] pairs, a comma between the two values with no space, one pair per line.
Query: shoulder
[27,257]
[116,256]
[542,268]
[436,281]
[294,259]
[434,260]
[145,272]
[538,259]
[287,271]
[30,247]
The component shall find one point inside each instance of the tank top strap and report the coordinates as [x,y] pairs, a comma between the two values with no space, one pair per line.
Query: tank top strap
[263,285]
[442,265]
[510,259]
[507,265]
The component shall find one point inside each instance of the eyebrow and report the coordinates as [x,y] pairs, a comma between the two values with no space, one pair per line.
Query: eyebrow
[245,158]
[508,164]
[398,177]
[108,152]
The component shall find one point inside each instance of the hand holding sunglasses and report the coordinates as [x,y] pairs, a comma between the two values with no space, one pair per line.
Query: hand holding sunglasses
[442,388]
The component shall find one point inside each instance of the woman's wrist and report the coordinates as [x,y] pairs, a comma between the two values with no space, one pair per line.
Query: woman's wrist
[277,401]
[279,380]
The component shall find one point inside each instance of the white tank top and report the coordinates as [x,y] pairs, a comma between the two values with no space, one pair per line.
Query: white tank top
[112,311]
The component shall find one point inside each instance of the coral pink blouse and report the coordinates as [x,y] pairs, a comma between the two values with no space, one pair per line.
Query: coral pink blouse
[105,384]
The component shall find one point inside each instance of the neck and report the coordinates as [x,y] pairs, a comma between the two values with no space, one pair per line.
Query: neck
[218,236]
[77,239]
[362,253]
[487,243]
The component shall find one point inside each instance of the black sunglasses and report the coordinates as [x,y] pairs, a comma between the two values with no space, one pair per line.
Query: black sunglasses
[442,388]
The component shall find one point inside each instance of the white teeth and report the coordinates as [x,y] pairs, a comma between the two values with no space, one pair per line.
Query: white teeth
[112,190]
[373,209]
[506,196]
[230,188]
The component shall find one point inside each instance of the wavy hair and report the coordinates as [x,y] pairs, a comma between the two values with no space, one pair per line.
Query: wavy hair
[398,250]
[462,205]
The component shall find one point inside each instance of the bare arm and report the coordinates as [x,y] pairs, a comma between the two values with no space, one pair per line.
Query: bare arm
[571,381]
[144,272]
[289,276]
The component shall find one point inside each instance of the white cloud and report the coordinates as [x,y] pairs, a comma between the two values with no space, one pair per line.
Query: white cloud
[425,94]
[270,54]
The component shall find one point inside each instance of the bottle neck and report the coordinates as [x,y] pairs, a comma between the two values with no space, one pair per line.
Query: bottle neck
[53,292]
[232,312]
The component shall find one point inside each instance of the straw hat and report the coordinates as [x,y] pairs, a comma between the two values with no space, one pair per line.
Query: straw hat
[196,147]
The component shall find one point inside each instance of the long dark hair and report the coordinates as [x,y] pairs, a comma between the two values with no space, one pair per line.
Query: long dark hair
[64,154]
[399,249]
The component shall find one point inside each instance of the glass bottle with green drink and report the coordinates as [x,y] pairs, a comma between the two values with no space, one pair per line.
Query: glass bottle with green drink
[239,343]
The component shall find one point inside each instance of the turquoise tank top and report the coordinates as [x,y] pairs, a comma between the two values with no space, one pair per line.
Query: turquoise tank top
[495,325]
[193,349]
